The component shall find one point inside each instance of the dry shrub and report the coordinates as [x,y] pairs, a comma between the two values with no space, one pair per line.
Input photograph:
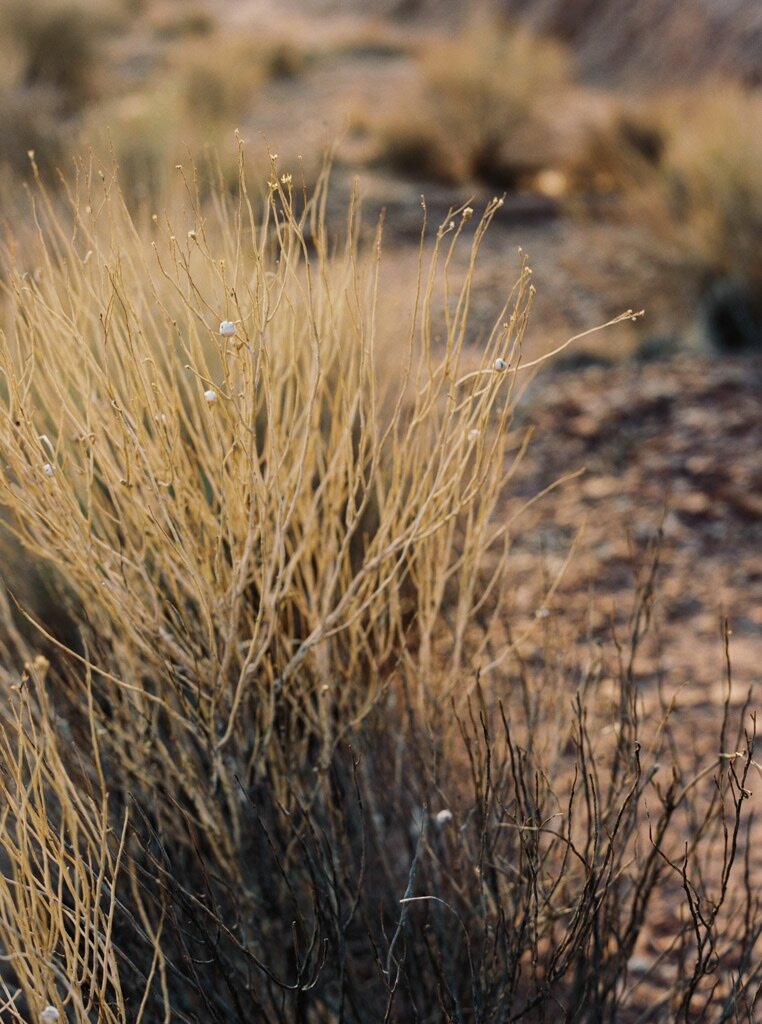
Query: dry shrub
[481,112]
[192,103]
[52,71]
[30,107]
[712,180]
[295,765]
[258,531]
[59,47]
[494,859]
[690,167]
[68,83]
[263,517]
[285,58]
[218,80]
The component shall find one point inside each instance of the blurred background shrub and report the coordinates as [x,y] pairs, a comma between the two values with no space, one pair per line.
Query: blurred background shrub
[480,113]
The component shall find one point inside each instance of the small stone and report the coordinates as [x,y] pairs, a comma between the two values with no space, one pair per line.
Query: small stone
[693,503]
[584,426]
[597,487]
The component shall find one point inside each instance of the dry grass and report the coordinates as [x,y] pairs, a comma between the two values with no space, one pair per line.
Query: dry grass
[713,181]
[57,894]
[286,757]
[145,87]
[689,167]
[57,46]
[51,57]
[193,101]
[250,525]
[209,518]
[480,115]
[258,533]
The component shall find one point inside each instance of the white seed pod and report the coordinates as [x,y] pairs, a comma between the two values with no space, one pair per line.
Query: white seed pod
[50,1015]
[47,469]
[500,364]
[210,397]
[227,328]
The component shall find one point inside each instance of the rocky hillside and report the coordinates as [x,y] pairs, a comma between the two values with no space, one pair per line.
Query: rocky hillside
[654,41]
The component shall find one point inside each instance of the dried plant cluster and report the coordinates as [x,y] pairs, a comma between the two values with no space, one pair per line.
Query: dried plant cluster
[693,166]
[479,114]
[279,755]
[688,167]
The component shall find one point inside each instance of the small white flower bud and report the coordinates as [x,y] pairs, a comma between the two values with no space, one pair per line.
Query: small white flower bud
[500,364]
[50,1015]
[227,328]
[210,397]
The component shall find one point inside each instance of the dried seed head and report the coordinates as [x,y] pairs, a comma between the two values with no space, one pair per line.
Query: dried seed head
[210,397]
[227,328]
[500,364]
[50,1015]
